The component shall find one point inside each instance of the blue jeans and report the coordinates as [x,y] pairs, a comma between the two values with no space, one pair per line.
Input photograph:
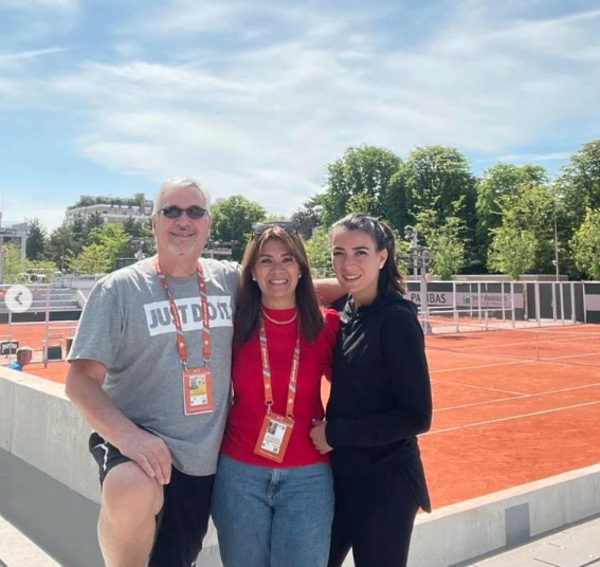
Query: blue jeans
[273,517]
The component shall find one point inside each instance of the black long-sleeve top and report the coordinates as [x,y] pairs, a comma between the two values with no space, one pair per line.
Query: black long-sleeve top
[381,393]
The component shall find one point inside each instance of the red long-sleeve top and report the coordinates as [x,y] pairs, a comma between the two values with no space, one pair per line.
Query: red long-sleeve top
[248,411]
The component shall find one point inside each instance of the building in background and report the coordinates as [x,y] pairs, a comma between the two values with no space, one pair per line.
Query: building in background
[111,209]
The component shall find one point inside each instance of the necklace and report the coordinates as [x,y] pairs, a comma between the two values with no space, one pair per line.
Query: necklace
[295,316]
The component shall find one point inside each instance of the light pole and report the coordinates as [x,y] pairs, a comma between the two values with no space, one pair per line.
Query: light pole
[556,249]
[421,258]
[412,233]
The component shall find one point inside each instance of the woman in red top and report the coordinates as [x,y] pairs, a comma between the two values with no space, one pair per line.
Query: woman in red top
[273,495]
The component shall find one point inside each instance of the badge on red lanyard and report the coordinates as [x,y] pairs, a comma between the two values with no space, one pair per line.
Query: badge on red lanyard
[276,429]
[198,394]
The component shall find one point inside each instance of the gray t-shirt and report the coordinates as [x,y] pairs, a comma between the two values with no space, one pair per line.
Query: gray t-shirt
[127,325]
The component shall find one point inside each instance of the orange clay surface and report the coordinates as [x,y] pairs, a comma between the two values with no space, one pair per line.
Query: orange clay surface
[511,407]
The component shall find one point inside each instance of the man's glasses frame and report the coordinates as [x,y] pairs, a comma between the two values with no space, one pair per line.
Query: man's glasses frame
[174,212]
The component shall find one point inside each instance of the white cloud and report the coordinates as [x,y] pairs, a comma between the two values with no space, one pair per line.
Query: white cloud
[529,158]
[16,59]
[264,114]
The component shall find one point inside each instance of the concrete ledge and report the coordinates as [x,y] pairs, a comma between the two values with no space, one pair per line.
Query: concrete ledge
[40,426]
[49,490]
[49,513]
[463,531]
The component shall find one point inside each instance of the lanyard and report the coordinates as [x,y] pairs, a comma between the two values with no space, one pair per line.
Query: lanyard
[266,370]
[181,343]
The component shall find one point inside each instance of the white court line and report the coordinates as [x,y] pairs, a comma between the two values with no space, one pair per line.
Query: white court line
[511,418]
[518,397]
[557,359]
[476,387]
[498,346]
[512,362]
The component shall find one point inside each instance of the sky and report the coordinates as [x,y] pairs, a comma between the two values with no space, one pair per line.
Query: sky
[256,97]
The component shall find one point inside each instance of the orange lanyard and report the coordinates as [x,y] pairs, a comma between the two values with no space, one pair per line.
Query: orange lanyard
[266,370]
[181,343]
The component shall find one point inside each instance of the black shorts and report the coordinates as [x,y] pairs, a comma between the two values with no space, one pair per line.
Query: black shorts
[183,521]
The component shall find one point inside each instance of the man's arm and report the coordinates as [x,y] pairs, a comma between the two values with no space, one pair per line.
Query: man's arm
[84,389]
[328,290]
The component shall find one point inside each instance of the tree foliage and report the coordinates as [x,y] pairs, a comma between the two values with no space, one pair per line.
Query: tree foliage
[446,242]
[358,181]
[434,181]
[498,181]
[113,238]
[512,251]
[93,259]
[586,244]
[578,186]
[36,236]
[318,249]
[232,222]
[524,240]
[502,222]
[12,263]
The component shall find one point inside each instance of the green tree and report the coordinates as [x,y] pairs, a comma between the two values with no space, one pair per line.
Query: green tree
[274,217]
[95,220]
[585,244]
[36,236]
[512,251]
[113,238]
[497,181]
[232,222]
[446,242]
[358,182]
[435,180]
[524,240]
[47,266]
[135,228]
[578,186]
[140,236]
[12,264]
[318,248]
[65,240]
[93,259]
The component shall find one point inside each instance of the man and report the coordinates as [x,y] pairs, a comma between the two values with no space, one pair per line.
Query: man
[24,356]
[150,372]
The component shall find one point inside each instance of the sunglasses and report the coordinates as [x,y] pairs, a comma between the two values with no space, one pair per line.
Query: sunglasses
[261,227]
[174,212]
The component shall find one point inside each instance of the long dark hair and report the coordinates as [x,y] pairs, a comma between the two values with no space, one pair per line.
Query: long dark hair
[249,297]
[390,279]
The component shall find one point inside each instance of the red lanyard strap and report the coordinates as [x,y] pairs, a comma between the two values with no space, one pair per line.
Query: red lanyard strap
[181,342]
[266,370]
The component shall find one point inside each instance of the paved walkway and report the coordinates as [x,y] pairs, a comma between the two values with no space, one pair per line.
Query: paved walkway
[574,546]
[18,551]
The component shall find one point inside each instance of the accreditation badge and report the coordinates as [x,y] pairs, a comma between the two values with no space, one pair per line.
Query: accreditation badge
[274,437]
[197,391]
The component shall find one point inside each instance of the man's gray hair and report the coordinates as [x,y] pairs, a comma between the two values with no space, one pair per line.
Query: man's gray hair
[176,182]
[23,350]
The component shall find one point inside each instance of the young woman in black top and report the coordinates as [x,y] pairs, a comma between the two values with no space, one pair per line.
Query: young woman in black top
[380,401]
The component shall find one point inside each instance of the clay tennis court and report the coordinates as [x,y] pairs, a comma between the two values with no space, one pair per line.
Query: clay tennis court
[511,406]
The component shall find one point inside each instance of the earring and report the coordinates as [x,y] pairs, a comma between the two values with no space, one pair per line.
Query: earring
[253,278]
[380,266]
[299,276]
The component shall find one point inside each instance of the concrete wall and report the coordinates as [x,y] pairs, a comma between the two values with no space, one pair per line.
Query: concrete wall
[49,490]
